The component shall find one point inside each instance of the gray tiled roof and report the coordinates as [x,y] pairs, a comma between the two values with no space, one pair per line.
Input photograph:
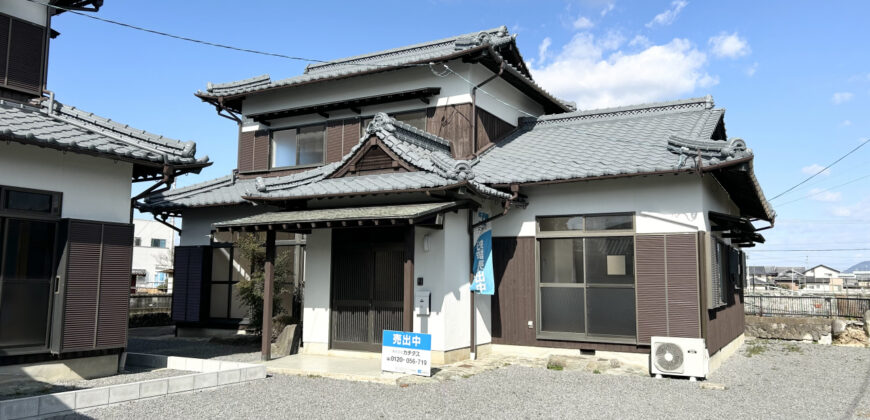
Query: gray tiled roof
[69,128]
[226,190]
[639,139]
[417,54]
[398,211]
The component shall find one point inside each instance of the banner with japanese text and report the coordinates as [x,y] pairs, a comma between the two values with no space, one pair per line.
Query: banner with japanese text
[484,277]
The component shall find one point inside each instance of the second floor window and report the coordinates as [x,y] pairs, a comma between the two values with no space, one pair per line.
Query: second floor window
[298,146]
[158,243]
[137,241]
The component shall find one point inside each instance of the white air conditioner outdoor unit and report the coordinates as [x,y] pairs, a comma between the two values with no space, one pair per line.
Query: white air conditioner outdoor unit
[679,357]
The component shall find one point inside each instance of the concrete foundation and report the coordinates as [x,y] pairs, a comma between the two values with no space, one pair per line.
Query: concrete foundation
[636,360]
[722,355]
[64,370]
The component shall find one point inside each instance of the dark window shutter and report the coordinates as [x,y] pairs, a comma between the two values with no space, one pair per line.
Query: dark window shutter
[261,150]
[114,301]
[189,272]
[26,45]
[80,303]
[246,151]
[4,46]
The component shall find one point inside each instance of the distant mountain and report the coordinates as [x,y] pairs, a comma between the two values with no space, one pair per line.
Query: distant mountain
[861,266]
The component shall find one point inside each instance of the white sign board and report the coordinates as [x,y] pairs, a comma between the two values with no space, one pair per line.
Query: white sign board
[406,352]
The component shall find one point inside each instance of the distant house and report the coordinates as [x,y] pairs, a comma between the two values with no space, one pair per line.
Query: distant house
[153,248]
[65,205]
[823,278]
[608,226]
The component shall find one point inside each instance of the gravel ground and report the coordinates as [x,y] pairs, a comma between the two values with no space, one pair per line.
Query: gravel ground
[130,375]
[194,347]
[765,380]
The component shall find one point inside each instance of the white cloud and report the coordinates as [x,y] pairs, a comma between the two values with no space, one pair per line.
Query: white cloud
[542,50]
[640,41]
[818,194]
[583,22]
[752,69]
[729,46]
[607,9]
[815,168]
[846,123]
[841,97]
[668,16]
[596,73]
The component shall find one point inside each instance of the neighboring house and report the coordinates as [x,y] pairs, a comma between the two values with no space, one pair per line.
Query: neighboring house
[823,278]
[609,226]
[822,272]
[65,217]
[862,278]
[153,247]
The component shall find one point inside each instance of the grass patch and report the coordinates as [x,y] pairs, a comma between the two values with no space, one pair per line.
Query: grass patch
[553,366]
[755,350]
[466,376]
[793,348]
[596,371]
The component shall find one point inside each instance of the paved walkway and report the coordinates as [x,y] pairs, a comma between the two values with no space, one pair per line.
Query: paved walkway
[347,368]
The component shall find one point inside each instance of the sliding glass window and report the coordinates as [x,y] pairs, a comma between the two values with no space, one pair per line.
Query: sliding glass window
[585,287]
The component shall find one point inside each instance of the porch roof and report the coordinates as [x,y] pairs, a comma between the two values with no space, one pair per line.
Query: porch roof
[337,217]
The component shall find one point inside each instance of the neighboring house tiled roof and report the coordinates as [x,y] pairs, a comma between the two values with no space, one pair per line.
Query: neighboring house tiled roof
[417,54]
[226,190]
[69,128]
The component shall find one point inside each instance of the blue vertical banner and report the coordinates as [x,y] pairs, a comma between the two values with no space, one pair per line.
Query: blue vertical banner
[484,277]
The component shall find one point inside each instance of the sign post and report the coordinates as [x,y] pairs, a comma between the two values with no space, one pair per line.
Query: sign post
[406,352]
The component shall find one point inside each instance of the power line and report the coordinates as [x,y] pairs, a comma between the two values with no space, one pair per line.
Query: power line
[819,172]
[825,189]
[214,44]
[470,83]
[811,250]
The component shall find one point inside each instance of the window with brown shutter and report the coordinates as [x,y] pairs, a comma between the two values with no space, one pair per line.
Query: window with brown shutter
[22,55]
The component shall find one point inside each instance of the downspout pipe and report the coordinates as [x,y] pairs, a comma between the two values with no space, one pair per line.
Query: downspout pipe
[474,101]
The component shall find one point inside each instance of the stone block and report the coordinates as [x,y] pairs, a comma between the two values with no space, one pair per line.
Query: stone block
[253,372]
[180,384]
[288,341]
[126,392]
[57,403]
[205,380]
[153,388]
[867,322]
[19,408]
[229,376]
[193,365]
[92,398]
[211,365]
[231,365]
[838,326]
[176,363]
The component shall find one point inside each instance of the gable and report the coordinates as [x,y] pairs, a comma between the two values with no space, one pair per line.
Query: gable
[374,157]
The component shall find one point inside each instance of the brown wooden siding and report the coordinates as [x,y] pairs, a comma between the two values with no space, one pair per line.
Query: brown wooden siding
[115,286]
[80,303]
[350,135]
[453,123]
[334,136]
[725,324]
[683,295]
[513,304]
[490,129]
[652,317]
[246,151]
[376,160]
[5,22]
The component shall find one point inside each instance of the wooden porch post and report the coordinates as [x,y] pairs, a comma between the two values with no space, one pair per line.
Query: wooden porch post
[268,288]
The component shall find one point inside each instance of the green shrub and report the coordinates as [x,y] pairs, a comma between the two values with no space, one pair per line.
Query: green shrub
[251,290]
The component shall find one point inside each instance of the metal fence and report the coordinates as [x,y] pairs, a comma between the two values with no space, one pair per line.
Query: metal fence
[822,306]
[146,303]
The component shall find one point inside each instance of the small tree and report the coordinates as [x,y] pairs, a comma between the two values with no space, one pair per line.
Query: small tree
[251,290]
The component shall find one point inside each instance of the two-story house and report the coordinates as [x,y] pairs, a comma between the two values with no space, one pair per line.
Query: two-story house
[608,226]
[66,234]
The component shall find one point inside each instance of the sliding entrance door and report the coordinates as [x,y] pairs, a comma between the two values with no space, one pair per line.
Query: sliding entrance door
[27,261]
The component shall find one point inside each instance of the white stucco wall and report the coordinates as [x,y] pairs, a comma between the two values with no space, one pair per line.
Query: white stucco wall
[445,270]
[93,188]
[662,204]
[454,90]
[152,259]
[25,10]
[318,263]
[196,224]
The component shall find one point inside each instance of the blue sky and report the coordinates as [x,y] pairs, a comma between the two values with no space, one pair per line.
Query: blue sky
[794,77]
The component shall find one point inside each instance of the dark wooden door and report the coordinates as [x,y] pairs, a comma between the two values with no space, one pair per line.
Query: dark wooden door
[367,287]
